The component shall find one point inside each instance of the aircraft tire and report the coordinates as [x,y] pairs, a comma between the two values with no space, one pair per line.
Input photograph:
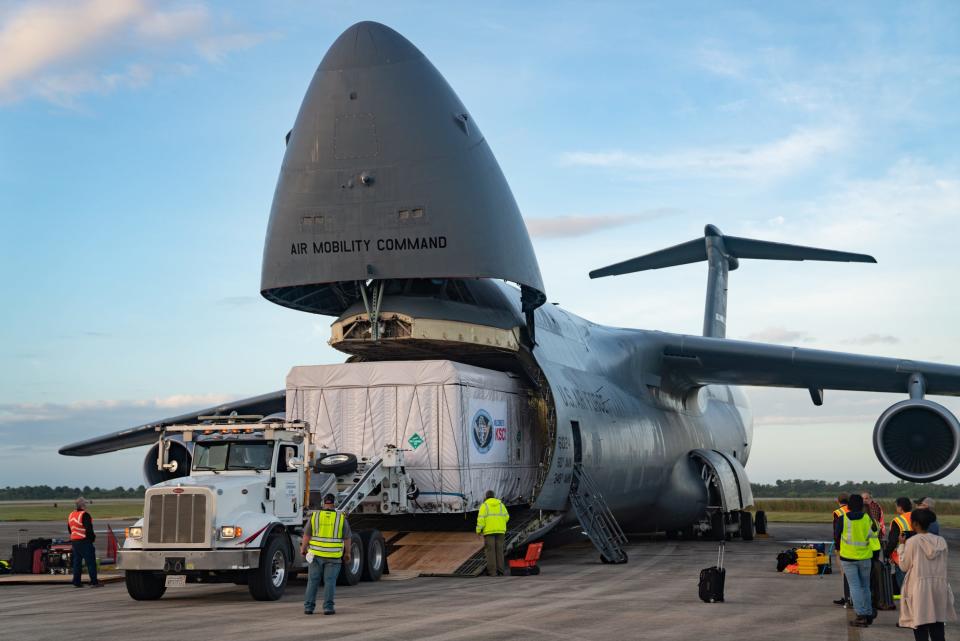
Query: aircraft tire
[760,522]
[350,573]
[717,527]
[374,555]
[143,585]
[269,581]
[746,526]
[338,463]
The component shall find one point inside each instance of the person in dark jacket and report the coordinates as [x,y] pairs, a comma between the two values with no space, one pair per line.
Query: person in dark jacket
[899,525]
[926,503]
[82,536]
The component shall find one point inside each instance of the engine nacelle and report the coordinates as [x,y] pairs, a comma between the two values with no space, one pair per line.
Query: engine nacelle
[917,440]
[178,454]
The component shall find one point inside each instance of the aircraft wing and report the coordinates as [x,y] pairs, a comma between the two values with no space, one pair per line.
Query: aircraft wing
[700,360]
[264,405]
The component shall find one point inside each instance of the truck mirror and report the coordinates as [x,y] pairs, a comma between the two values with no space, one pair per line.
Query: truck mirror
[295,462]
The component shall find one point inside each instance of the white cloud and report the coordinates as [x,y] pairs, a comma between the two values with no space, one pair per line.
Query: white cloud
[570,226]
[216,48]
[720,61]
[37,36]
[33,412]
[780,335]
[787,155]
[174,24]
[874,339]
[56,50]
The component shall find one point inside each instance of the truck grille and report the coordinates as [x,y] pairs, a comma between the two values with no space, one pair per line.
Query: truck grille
[176,518]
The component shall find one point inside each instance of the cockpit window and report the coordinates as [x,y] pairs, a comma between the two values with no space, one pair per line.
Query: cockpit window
[220,456]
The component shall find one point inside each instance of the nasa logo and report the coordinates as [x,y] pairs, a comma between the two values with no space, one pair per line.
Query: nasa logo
[482,431]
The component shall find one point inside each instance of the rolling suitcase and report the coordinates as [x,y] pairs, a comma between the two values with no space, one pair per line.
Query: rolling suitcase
[882,584]
[22,560]
[712,580]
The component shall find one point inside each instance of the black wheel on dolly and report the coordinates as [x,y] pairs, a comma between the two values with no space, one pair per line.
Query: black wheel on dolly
[340,463]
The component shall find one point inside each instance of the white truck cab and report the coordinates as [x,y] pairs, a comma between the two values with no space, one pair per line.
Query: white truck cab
[239,515]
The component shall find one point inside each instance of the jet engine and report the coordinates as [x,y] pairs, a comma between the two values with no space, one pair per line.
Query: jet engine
[917,440]
[178,462]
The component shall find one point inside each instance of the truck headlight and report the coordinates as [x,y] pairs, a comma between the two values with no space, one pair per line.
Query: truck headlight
[230,531]
[134,532]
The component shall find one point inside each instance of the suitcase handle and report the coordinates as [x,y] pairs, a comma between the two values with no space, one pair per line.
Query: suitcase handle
[720,555]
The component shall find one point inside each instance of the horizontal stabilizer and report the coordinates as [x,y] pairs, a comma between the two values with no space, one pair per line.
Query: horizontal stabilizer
[734,248]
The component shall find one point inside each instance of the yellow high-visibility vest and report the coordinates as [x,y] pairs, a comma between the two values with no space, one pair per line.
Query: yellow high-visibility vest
[326,534]
[492,517]
[855,539]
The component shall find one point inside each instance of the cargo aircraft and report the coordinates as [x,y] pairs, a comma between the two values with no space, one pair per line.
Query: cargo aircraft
[392,215]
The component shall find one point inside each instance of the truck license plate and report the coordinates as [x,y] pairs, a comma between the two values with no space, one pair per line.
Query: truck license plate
[176,580]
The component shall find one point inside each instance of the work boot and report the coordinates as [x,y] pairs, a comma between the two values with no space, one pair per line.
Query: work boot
[860,622]
[96,585]
[840,601]
[330,611]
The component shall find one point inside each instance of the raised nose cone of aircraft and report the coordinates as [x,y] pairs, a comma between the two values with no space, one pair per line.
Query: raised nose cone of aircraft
[387,176]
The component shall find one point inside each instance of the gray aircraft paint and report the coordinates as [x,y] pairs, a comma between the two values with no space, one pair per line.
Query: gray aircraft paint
[380,133]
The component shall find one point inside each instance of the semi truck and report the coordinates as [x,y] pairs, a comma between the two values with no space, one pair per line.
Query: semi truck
[388,440]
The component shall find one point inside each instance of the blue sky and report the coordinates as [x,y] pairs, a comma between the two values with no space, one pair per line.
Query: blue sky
[140,143]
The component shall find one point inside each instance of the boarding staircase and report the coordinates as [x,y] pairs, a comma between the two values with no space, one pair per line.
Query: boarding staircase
[596,518]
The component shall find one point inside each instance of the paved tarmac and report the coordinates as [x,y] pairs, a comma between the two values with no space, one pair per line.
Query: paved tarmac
[654,596]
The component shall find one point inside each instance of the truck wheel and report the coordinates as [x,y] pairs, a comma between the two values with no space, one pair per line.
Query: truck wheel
[351,572]
[145,586]
[374,554]
[746,526]
[268,582]
[337,464]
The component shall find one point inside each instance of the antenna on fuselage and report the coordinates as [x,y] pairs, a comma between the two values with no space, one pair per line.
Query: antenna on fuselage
[723,254]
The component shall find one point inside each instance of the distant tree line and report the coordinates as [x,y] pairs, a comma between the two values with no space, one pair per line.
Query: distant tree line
[63,492]
[806,488]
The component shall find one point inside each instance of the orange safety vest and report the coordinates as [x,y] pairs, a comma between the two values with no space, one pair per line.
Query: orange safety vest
[75,522]
[840,511]
[905,524]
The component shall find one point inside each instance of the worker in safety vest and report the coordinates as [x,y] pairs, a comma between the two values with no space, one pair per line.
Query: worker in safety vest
[326,546]
[838,514]
[80,526]
[492,524]
[857,532]
[901,524]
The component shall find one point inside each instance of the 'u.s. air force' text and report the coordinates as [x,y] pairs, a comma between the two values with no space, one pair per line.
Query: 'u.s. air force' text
[364,245]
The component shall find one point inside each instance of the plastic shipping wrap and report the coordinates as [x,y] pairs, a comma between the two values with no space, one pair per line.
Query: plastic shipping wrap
[465,429]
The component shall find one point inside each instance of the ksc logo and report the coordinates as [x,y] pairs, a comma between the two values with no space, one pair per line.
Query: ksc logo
[482,431]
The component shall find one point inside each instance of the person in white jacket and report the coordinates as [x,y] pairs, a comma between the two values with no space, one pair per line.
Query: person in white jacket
[926,598]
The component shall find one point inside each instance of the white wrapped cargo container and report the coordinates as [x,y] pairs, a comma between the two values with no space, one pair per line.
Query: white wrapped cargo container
[466,429]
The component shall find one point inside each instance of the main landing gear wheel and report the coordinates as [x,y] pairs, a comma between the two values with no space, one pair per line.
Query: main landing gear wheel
[268,581]
[760,522]
[143,585]
[374,555]
[337,464]
[350,572]
[746,526]
[718,530]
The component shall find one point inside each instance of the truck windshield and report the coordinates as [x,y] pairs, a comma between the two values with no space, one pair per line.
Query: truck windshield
[233,455]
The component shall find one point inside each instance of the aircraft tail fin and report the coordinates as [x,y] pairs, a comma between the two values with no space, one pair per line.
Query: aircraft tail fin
[723,254]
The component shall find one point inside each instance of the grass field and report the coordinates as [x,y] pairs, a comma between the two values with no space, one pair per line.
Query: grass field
[821,510]
[45,510]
